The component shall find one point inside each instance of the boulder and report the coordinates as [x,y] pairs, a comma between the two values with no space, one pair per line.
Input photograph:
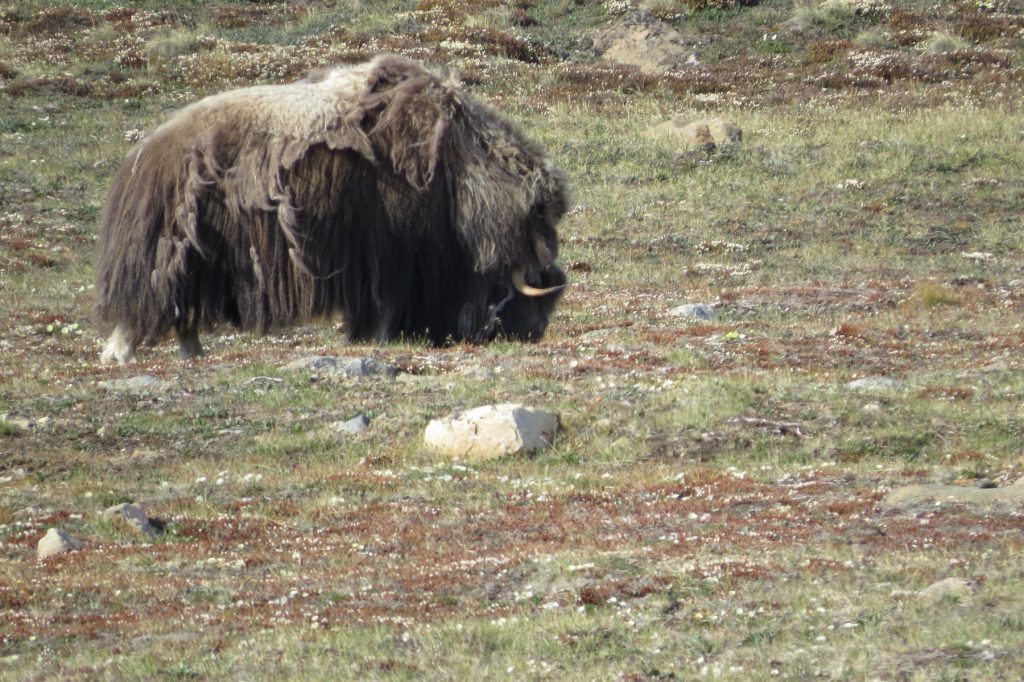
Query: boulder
[491,431]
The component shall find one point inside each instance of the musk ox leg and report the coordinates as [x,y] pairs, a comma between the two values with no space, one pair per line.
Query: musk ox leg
[188,344]
[120,348]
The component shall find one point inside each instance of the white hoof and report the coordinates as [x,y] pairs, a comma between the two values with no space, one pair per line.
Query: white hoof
[118,349]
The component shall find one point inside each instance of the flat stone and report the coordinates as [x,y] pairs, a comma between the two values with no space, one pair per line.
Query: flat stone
[932,494]
[56,542]
[873,384]
[350,367]
[131,516]
[142,382]
[352,426]
[696,311]
[491,431]
[954,588]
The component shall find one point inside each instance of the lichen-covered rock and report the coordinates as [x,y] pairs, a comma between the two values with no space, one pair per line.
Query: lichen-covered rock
[491,431]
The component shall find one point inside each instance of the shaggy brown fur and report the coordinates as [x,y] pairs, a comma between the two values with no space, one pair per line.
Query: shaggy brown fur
[383,191]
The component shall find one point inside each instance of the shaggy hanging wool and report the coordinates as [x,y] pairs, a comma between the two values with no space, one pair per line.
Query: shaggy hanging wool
[384,192]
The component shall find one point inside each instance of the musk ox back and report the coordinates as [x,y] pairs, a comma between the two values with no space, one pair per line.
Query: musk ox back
[382,191]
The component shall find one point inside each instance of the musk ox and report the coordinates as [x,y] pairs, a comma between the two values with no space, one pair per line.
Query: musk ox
[382,191]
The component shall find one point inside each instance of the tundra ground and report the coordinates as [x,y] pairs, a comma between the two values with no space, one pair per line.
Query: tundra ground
[713,505]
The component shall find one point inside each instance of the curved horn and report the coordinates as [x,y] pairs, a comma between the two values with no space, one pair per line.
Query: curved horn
[519,282]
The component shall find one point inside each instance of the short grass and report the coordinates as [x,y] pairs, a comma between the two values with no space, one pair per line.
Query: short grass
[711,507]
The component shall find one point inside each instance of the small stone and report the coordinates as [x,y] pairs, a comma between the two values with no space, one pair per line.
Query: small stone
[131,516]
[872,384]
[140,383]
[1019,483]
[56,542]
[491,431]
[353,426]
[953,588]
[696,311]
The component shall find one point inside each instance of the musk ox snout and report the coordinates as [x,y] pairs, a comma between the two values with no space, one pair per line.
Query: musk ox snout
[525,316]
[372,192]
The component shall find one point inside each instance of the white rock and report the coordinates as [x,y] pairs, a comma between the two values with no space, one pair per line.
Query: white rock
[56,542]
[132,516]
[491,431]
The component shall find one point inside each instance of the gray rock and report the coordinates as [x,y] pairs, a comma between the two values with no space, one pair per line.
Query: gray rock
[491,431]
[352,426]
[140,383]
[350,367]
[953,588]
[873,384]
[983,499]
[131,516]
[696,311]
[56,542]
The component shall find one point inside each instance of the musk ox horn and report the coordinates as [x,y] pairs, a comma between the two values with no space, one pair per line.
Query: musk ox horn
[519,282]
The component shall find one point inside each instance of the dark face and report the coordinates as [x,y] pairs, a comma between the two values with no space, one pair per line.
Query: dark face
[525,318]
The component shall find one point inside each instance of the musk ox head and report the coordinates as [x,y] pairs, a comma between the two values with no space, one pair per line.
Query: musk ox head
[383,192]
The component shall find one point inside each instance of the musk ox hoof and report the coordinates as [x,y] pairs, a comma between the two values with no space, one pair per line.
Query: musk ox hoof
[119,349]
[189,346]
